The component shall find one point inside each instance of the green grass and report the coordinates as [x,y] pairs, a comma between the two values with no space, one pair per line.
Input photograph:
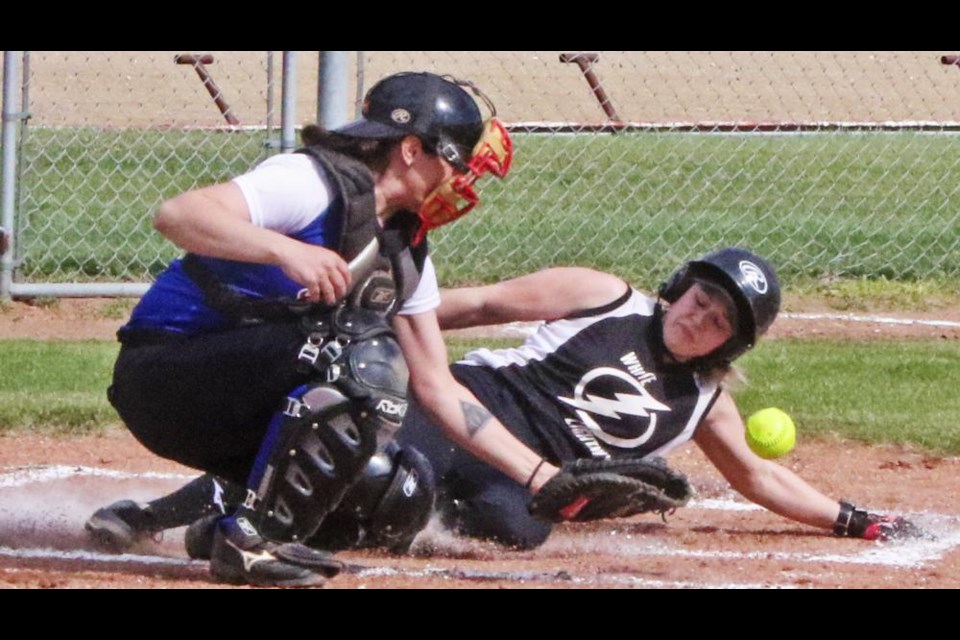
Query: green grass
[889,391]
[864,294]
[56,386]
[876,391]
[822,207]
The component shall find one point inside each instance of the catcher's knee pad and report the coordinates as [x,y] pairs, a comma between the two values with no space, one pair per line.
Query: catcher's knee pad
[356,351]
[387,507]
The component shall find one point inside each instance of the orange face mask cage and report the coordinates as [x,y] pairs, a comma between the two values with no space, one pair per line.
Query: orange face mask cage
[457,196]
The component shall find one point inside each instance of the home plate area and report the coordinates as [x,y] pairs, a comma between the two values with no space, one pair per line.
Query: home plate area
[718,541]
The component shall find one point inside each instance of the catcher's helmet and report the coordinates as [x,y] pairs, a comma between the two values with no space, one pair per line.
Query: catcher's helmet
[387,506]
[750,281]
[435,109]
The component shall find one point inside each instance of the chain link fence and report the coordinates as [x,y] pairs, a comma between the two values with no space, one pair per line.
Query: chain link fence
[110,135]
[833,164]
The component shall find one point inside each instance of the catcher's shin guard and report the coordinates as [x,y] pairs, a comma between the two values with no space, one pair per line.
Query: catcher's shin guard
[320,442]
[314,451]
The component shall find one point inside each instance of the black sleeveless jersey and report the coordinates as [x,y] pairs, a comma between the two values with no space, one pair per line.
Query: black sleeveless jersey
[589,385]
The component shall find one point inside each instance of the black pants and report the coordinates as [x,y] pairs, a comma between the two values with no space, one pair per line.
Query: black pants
[476,499]
[206,401]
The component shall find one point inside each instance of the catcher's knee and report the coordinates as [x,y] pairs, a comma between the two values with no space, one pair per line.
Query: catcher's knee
[387,507]
[320,442]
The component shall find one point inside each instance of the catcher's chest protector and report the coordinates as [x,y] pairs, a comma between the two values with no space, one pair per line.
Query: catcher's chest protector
[399,264]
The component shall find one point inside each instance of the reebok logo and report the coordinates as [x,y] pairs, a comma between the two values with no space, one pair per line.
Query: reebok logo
[390,408]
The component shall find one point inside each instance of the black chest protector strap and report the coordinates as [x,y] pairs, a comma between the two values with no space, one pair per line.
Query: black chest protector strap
[353,182]
[359,224]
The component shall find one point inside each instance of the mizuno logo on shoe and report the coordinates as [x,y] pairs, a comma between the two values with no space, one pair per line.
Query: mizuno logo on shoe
[250,558]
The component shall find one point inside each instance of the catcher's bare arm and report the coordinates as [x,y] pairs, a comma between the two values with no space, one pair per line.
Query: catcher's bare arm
[544,295]
[215,221]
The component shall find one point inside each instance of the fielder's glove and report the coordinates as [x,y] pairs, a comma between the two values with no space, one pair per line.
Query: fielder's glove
[590,489]
[859,523]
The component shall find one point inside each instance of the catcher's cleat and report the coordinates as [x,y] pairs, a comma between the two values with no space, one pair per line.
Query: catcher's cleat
[119,526]
[198,538]
[240,555]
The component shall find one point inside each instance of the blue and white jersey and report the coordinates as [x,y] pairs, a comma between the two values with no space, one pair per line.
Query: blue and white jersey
[286,193]
[589,385]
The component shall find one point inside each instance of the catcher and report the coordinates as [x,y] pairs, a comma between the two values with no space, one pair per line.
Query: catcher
[248,359]
[612,381]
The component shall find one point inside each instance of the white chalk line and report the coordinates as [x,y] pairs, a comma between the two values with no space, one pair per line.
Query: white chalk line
[850,317]
[559,577]
[30,475]
[93,556]
[525,329]
[724,505]
[615,579]
[910,554]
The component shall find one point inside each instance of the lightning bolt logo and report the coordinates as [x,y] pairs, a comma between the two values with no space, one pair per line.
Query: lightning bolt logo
[640,404]
[625,403]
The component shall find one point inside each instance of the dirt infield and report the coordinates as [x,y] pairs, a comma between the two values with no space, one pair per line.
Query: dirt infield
[49,486]
[99,319]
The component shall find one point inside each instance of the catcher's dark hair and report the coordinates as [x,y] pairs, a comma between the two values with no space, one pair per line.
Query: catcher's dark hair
[373,152]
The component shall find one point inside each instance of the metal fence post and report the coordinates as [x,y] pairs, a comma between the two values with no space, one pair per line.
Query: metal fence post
[361,91]
[332,100]
[288,102]
[11,117]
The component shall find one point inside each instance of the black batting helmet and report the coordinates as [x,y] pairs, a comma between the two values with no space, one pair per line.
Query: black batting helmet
[750,281]
[434,108]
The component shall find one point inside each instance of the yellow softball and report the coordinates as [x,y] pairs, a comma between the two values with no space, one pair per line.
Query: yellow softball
[771,433]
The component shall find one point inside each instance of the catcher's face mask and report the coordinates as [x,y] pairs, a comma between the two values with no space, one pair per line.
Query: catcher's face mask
[457,195]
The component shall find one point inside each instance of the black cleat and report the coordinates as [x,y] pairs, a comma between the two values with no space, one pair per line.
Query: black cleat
[119,526]
[240,555]
[198,538]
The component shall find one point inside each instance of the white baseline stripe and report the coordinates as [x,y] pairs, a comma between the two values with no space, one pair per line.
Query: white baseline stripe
[524,329]
[30,475]
[559,578]
[724,505]
[849,317]
[92,556]
[908,554]
[377,572]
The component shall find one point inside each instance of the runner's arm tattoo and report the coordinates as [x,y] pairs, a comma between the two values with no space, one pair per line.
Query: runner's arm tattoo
[475,416]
